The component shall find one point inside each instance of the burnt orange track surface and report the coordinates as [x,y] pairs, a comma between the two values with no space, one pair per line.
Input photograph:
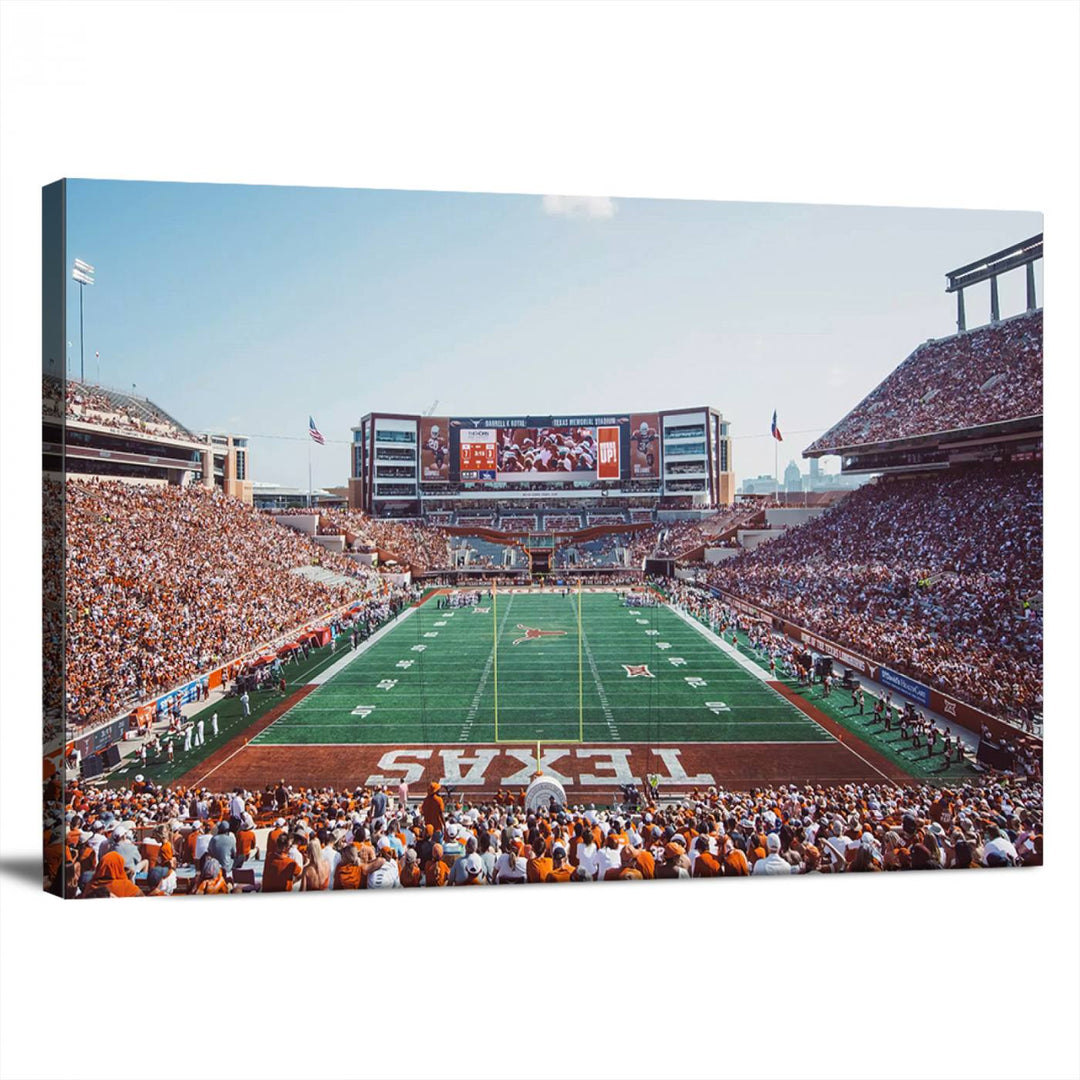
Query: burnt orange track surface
[223,753]
[736,766]
[878,761]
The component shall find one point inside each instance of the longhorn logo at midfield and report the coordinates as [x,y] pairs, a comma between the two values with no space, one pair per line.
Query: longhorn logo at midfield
[532,632]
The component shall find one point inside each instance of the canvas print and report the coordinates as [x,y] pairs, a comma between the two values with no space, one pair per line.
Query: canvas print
[418,540]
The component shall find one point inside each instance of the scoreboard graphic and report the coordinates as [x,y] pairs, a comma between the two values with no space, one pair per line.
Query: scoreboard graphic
[477,453]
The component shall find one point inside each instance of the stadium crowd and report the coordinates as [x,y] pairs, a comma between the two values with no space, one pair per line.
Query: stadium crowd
[142,840]
[938,577]
[94,405]
[979,377]
[163,583]
[795,661]
[422,547]
[682,537]
[603,551]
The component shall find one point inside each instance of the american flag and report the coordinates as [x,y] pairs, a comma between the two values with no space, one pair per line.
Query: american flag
[314,432]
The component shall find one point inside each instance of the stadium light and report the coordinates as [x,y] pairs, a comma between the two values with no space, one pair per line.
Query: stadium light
[83,273]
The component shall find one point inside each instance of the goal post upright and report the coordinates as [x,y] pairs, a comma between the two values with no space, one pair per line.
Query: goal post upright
[580,671]
[495,648]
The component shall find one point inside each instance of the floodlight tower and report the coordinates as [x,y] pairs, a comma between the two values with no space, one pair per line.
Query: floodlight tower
[83,273]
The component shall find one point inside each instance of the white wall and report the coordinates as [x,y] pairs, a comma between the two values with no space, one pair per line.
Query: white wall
[305,523]
[720,554]
[791,516]
[331,543]
[752,538]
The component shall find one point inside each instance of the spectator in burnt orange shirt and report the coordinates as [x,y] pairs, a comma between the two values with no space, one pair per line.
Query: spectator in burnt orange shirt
[706,864]
[409,870]
[561,869]
[540,865]
[735,861]
[436,872]
[112,876]
[281,870]
[433,807]
[348,874]
[626,870]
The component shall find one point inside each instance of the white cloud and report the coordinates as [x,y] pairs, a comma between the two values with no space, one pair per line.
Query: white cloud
[579,206]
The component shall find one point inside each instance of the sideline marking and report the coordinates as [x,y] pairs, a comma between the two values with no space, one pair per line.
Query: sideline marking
[328,673]
[763,676]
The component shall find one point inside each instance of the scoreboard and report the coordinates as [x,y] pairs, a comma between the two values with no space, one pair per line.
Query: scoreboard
[530,449]
[478,453]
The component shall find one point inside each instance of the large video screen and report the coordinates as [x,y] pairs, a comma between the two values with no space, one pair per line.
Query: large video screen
[542,452]
[530,449]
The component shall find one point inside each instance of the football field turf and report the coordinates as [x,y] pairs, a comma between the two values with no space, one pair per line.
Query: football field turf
[646,674]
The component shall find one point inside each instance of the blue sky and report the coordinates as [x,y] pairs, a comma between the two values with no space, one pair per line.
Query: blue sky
[246,309]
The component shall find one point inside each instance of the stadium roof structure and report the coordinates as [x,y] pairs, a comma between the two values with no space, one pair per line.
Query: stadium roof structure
[989,268]
[141,408]
[931,397]
[979,388]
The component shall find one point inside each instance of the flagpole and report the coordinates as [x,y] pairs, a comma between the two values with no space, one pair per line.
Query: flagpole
[309,470]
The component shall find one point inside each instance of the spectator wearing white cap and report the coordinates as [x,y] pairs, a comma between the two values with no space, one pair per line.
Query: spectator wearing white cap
[999,850]
[383,871]
[774,862]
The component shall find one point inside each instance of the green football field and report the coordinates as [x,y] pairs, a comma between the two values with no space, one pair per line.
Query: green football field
[629,675]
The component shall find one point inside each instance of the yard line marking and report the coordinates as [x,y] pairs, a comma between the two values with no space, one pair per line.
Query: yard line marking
[474,707]
[609,717]
[763,676]
[539,700]
[328,673]
[748,665]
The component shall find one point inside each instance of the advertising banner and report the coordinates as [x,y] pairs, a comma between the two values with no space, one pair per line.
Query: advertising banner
[644,445]
[607,460]
[435,449]
[184,695]
[903,685]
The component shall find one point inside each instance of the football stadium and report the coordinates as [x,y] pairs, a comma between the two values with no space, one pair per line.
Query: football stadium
[361,687]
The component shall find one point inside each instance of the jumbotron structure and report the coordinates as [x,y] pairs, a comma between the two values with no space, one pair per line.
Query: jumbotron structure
[433,466]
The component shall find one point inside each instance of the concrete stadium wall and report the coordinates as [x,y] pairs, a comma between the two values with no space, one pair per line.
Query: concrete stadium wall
[305,523]
[752,538]
[789,517]
[720,554]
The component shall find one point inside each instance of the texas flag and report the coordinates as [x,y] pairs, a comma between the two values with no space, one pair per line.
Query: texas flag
[775,430]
